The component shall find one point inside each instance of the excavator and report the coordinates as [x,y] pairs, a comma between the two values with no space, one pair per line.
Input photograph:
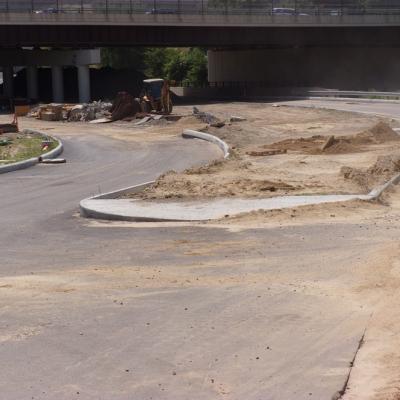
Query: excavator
[156,96]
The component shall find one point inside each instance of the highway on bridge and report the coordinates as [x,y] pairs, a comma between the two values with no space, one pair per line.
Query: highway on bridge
[195,23]
[102,310]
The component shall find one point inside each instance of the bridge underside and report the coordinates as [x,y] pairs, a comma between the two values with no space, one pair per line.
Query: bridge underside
[359,58]
[270,71]
[80,36]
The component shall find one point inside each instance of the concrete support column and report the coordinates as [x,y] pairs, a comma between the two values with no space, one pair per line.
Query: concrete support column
[32,82]
[84,83]
[57,83]
[8,81]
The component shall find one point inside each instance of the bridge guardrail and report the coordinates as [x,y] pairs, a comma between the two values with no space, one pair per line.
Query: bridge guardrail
[297,8]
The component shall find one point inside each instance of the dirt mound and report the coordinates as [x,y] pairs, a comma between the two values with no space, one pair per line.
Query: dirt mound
[174,185]
[379,133]
[340,146]
[384,168]
[315,145]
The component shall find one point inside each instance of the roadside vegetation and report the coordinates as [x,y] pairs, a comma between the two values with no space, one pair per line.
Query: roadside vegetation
[16,147]
[187,66]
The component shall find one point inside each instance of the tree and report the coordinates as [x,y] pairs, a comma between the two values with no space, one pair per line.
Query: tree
[198,68]
[122,58]
[187,65]
[177,66]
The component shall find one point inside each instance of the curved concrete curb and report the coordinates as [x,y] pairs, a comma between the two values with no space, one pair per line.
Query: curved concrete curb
[35,160]
[116,210]
[188,133]
[376,193]
[88,212]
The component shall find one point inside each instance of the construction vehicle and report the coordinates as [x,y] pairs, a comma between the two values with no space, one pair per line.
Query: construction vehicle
[156,96]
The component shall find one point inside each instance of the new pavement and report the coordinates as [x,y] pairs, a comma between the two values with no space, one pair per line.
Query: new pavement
[92,310]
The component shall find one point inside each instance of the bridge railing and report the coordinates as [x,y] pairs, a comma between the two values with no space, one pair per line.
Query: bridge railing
[300,8]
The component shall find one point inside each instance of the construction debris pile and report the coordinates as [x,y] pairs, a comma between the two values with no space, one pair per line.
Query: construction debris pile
[89,112]
[124,106]
[208,118]
[71,112]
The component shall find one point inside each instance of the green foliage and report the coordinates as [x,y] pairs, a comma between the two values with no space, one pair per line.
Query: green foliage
[121,58]
[177,66]
[181,65]
[197,74]
[155,60]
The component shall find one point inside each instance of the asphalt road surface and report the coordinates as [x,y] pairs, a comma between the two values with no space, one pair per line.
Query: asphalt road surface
[92,310]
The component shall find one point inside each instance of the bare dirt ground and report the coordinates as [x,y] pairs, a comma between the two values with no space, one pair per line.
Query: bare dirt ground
[362,153]
[301,170]
[375,285]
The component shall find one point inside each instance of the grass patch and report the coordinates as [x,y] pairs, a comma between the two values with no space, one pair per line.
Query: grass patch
[23,146]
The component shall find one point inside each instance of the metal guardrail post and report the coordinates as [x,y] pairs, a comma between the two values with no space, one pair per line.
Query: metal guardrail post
[81,11]
[106,7]
[155,6]
[32,6]
[202,7]
[130,7]
[7,7]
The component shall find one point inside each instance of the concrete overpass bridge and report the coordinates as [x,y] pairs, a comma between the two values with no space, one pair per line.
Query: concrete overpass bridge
[211,23]
[339,44]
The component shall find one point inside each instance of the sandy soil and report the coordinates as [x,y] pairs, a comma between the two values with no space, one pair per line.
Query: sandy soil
[375,373]
[347,165]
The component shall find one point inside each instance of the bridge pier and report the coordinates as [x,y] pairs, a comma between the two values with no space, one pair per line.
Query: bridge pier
[57,60]
[84,83]
[8,81]
[32,82]
[57,81]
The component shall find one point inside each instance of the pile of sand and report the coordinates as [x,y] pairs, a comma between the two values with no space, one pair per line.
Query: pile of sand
[174,185]
[384,168]
[379,133]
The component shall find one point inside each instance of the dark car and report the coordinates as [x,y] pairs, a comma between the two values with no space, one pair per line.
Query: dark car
[162,11]
[287,11]
[50,10]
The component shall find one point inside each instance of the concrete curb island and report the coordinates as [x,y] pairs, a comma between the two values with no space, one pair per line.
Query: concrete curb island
[34,160]
[89,212]
[104,206]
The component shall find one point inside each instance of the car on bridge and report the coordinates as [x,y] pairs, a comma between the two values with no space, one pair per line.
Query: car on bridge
[50,10]
[162,11]
[287,11]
